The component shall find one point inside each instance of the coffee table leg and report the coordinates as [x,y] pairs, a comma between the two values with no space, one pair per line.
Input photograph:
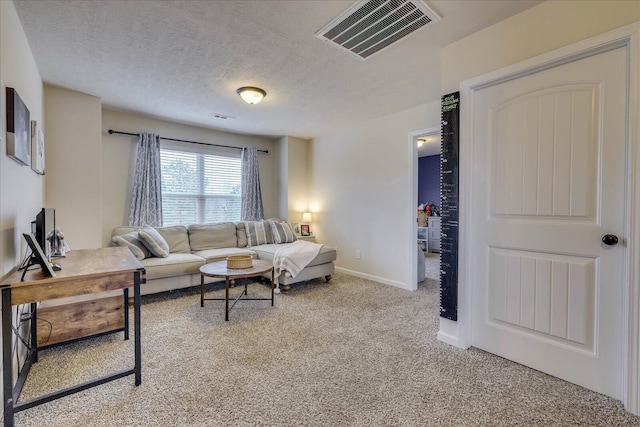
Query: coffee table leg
[226,298]
[272,280]
[202,290]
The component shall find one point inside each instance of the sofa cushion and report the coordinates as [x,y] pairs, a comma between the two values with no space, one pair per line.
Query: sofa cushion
[241,234]
[154,241]
[258,233]
[282,232]
[221,254]
[173,265]
[212,236]
[177,238]
[266,252]
[131,241]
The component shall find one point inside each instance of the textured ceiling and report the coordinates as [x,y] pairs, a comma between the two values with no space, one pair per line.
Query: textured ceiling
[184,60]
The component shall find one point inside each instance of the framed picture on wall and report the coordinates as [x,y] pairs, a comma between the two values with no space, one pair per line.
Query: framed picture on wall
[37,148]
[18,128]
[304,230]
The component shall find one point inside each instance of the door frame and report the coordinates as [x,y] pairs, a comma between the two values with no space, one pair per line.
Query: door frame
[413,196]
[629,38]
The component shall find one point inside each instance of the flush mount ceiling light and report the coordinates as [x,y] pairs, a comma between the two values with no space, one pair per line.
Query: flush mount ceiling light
[251,95]
[428,139]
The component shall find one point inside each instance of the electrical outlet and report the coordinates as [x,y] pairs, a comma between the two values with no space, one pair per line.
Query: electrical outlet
[358,254]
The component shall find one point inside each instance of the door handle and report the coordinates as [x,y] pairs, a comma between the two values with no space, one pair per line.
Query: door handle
[610,239]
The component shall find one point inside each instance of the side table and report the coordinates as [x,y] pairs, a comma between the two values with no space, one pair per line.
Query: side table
[219,269]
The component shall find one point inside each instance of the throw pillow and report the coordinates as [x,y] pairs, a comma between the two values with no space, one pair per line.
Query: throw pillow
[241,234]
[154,241]
[131,241]
[282,232]
[258,233]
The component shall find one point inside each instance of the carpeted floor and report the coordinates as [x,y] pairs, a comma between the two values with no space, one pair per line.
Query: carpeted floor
[432,266]
[348,353]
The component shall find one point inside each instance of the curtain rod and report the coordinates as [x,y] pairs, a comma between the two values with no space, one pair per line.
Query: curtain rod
[111,132]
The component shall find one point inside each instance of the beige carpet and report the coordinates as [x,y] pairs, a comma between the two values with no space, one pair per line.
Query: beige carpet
[432,266]
[348,353]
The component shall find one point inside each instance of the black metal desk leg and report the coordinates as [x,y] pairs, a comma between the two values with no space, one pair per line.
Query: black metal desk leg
[126,313]
[7,366]
[34,331]
[136,325]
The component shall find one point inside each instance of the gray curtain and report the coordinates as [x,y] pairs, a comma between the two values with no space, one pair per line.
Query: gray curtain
[146,201]
[251,206]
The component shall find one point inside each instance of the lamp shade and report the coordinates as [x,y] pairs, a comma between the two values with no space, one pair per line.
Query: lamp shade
[251,95]
[306,217]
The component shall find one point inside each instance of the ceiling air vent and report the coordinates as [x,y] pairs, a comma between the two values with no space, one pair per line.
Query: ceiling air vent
[222,116]
[370,26]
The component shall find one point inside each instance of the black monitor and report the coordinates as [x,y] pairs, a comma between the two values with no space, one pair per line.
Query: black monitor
[43,226]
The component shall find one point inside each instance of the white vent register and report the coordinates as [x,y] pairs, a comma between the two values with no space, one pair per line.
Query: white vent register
[370,26]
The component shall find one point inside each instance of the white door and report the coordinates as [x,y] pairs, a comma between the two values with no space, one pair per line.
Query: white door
[548,182]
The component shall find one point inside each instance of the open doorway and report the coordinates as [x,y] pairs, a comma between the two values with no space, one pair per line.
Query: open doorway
[425,196]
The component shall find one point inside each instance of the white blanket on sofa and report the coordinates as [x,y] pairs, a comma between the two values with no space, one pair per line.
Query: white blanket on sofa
[294,257]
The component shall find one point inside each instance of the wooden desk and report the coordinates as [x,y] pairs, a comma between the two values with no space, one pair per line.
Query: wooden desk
[84,271]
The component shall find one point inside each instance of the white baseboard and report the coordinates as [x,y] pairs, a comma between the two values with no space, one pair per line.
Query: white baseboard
[374,278]
[450,334]
[448,338]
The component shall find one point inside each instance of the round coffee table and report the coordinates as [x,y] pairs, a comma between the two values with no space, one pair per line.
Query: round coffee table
[219,269]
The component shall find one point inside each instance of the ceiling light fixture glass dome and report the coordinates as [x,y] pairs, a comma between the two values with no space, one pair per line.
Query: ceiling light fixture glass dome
[251,95]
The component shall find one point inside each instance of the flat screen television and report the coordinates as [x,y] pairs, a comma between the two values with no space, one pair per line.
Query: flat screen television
[38,256]
[43,226]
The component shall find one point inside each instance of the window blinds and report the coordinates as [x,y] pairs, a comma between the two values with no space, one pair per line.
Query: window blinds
[199,188]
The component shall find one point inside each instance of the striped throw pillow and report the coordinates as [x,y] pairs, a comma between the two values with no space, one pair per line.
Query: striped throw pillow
[282,232]
[131,241]
[156,244]
[258,233]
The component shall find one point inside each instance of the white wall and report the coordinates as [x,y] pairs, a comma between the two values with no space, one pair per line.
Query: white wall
[21,189]
[543,28]
[282,176]
[74,165]
[298,189]
[118,158]
[361,178]
[293,177]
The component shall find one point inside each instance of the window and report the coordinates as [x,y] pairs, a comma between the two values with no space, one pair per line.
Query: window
[199,188]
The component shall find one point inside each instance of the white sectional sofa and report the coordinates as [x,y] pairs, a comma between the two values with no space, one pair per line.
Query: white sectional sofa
[191,247]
